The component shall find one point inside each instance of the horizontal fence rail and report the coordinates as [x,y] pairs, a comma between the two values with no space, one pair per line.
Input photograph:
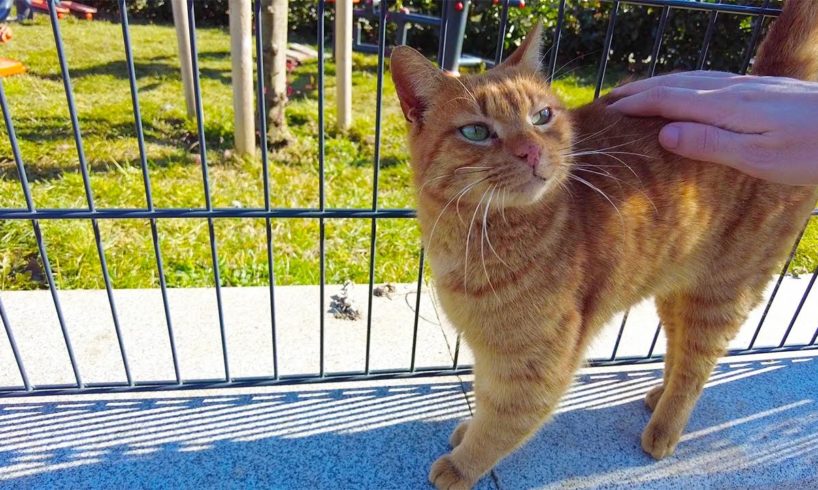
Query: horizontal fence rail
[322,214]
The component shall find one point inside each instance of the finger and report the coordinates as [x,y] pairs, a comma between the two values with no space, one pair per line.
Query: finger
[701,80]
[708,107]
[703,142]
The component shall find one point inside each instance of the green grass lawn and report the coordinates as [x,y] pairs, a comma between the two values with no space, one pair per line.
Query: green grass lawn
[96,61]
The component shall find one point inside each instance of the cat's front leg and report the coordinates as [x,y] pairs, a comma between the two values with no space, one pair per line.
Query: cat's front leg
[515,395]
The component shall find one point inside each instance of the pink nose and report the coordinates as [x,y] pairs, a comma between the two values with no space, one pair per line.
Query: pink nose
[528,151]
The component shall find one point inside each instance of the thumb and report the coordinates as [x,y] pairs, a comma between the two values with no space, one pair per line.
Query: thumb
[702,142]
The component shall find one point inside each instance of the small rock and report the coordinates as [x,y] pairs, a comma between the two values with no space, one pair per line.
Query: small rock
[386,290]
[342,307]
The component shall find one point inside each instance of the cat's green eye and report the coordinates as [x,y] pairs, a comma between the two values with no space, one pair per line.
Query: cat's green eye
[542,117]
[475,132]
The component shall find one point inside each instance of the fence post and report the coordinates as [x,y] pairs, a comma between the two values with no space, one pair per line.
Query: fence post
[242,57]
[456,17]
[343,61]
[182,40]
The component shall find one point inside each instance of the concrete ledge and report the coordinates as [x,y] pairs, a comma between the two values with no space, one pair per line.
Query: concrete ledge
[249,332]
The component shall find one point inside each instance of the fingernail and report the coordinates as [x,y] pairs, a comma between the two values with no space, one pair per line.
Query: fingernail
[669,137]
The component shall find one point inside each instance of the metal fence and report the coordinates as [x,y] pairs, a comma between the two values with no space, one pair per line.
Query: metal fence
[321,213]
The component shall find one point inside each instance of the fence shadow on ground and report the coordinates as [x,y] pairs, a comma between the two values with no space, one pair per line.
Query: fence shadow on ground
[757,424]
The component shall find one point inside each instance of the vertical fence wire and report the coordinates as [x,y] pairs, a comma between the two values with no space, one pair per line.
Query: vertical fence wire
[757,26]
[321,194]
[501,36]
[86,181]
[442,32]
[214,255]
[758,22]
[265,167]
[555,48]
[619,335]
[653,342]
[603,63]
[657,42]
[14,350]
[776,287]
[52,287]
[708,36]
[146,180]
[798,309]
[373,237]
[417,312]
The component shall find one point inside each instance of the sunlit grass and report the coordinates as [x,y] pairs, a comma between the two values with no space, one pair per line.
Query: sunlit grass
[102,93]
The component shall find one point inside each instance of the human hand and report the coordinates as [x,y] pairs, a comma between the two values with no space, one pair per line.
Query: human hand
[766,127]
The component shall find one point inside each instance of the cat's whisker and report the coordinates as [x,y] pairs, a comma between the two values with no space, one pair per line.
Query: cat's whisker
[576,143]
[603,174]
[457,204]
[473,98]
[587,137]
[600,192]
[610,156]
[481,169]
[644,137]
[558,72]
[433,179]
[585,168]
[440,215]
[486,233]
[503,194]
[468,239]
[429,181]
[484,237]
[566,188]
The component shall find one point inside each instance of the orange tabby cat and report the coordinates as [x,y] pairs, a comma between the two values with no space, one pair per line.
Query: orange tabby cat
[540,223]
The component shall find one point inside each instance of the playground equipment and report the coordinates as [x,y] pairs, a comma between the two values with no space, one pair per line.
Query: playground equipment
[451,25]
[42,6]
[10,67]
[80,9]
[66,7]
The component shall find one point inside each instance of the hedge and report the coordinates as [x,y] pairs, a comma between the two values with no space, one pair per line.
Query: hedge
[581,44]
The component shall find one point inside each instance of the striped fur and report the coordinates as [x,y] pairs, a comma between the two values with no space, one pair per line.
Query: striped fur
[528,269]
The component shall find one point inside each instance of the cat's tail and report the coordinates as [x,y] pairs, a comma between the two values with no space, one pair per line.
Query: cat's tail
[791,46]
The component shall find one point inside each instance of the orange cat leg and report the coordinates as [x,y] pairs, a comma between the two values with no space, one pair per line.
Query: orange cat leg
[515,394]
[705,323]
[666,312]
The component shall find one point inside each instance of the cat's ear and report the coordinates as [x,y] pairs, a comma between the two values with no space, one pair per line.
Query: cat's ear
[416,81]
[529,55]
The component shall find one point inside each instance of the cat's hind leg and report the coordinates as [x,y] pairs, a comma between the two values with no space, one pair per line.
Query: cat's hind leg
[703,321]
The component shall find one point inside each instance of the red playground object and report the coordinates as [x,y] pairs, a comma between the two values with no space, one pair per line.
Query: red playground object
[42,6]
[80,9]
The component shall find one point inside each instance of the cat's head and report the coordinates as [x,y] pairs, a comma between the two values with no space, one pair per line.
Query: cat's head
[499,132]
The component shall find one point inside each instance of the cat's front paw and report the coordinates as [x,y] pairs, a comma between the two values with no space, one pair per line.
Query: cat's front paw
[457,436]
[659,441]
[445,475]
[653,396]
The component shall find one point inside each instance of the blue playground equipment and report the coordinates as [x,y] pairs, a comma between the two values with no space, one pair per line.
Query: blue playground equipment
[451,25]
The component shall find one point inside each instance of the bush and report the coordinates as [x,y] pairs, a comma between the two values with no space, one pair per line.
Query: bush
[584,29]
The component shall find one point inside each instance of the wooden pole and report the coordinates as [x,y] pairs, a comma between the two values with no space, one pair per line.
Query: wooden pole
[274,42]
[183,42]
[241,53]
[343,62]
